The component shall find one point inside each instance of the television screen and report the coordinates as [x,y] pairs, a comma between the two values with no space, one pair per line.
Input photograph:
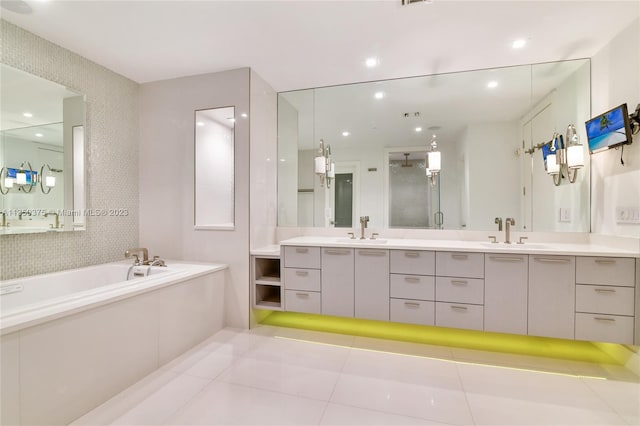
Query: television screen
[609,129]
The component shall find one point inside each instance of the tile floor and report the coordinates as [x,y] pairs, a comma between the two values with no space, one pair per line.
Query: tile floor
[279,376]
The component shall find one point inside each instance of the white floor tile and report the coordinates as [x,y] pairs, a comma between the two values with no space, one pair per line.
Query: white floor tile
[406,399]
[282,377]
[407,348]
[498,410]
[228,404]
[211,365]
[164,402]
[622,397]
[342,415]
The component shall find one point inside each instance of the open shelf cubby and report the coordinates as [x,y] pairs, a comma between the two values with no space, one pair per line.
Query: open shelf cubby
[267,285]
[267,270]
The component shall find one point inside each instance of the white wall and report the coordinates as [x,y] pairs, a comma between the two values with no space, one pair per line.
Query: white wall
[264,165]
[167,178]
[615,79]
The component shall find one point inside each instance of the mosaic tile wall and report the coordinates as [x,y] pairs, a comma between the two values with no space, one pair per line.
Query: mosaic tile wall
[112,160]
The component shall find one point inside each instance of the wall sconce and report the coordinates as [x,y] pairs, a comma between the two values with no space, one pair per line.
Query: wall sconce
[25,177]
[6,181]
[325,168]
[570,157]
[48,180]
[433,162]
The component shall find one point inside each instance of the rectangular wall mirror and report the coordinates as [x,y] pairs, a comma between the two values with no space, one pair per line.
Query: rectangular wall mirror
[488,125]
[42,148]
[214,170]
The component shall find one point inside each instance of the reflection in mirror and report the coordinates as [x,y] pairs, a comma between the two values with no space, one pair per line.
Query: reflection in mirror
[485,122]
[214,171]
[39,172]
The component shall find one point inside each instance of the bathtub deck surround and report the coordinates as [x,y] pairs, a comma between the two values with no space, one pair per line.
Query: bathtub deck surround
[100,333]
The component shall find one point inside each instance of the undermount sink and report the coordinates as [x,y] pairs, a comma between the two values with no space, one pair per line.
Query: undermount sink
[359,241]
[515,246]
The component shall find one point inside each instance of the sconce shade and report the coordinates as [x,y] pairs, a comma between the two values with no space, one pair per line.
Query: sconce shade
[8,182]
[21,178]
[428,171]
[433,160]
[320,163]
[575,157]
[553,168]
[50,181]
[331,173]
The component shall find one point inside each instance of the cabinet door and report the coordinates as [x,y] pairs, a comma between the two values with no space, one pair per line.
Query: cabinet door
[337,282]
[552,291]
[372,284]
[505,293]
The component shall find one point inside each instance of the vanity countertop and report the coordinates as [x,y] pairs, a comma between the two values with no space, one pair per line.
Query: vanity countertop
[464,246]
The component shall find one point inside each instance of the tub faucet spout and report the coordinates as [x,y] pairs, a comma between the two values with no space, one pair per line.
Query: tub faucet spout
[134,252]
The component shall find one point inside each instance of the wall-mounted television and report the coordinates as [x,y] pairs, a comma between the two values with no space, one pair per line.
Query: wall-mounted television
[609,129]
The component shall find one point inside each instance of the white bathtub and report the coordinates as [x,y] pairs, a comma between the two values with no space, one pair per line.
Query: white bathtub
[72,339]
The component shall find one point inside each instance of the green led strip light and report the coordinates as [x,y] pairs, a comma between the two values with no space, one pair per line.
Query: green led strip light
[574,350]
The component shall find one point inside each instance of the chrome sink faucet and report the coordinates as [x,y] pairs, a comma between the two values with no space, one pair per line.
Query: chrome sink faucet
[498,220]
[57,221]
[364,220]
[508,222]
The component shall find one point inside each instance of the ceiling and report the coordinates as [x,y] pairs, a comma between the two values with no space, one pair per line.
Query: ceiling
[302,44]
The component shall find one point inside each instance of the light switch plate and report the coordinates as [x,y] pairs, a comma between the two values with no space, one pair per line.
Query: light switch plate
[565,214]
[627,215]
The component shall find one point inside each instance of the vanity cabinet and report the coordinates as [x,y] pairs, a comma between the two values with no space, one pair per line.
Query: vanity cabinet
[460,290]
[372,284]
[412,286]
[505,292]
[552,288]
[302,279]
[605,299]
[338,286]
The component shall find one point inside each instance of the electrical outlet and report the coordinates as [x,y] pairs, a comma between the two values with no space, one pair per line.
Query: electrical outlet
[627,215]
[565,214]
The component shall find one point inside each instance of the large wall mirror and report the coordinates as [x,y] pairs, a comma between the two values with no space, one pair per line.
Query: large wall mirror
[488,127]
[42,155]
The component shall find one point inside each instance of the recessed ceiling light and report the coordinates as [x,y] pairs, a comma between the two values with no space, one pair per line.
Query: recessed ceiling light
[492,84]
[345,133]
[418,129]
[244,115]
[379,95]
[39,135]
[282,160]
[27,114]
[519,43]
[200,123]
[233,120]
[372,62]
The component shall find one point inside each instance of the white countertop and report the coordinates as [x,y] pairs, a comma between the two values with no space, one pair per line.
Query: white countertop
[272,250]
[464,246]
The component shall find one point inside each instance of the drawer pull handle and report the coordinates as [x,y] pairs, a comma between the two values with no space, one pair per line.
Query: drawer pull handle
[411,254]
[412,304]
[371,253]
[302,250]
[412,279]
[459,282]
[302,273]
[506,259]
[605,261]
[551,260]
[302,294]
[460,256]
[458,308]
[604,319]
[605,290]
[338,252]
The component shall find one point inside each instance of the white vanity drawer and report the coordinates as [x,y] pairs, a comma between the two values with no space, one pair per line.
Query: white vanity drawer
[302,257]
[605,271]
[418,287]
[302,301]
[416,262]
[302,279]
[604,328]
[412,311]
[460,290]
[452,264]
[459,315]
[605,299]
